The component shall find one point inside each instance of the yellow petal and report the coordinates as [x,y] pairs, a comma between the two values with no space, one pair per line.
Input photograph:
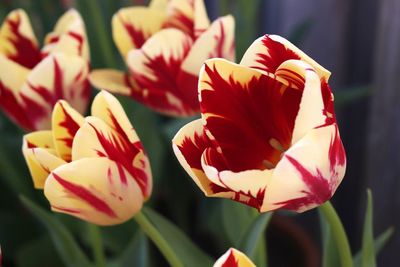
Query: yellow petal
[106,107]
[132,26]
[68,37]
[159,5]
[40,156]
[65,123]
[234,258]
[313,168]
[96,190]
[113,81]
[17,40]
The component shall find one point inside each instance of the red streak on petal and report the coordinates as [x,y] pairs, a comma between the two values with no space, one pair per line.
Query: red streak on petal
[28,53]
[79,39]
[86,196]
[70,125]
[67,210]
[138,37]
[337,155]
[319,188]
[231,261]
[274,55]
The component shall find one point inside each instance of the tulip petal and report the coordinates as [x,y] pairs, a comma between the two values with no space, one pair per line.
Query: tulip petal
[189,144]
[65,123]
[247,187]
[217,41]
[40,156]
[132,26]
[56,77]
[106,107]
[12,78]
[17,40]
[158,4]
[234,258]
[156,66]
[68,36]
[268,52]
[309,172]
[187,16]
[96,139]
[244,107]
[111,80]
[91,189]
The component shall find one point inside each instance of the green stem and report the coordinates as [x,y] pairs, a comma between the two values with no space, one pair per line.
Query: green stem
[97,245]
[93,7]
[339,234]
[155,236]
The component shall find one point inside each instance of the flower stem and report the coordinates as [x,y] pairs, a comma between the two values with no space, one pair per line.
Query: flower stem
[338,233]
[155,236]
[97,245]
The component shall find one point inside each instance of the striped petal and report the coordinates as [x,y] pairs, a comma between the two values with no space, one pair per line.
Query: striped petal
[111,80]
[189,16]
[40,156]
[234,258]
[96,190]
[132,26]
[308,173]
[12,78]
[156,68]
[106,107]
[97,139]
[17,40]
[56,77]
[65,123]
[217,41]
[68,37]
[268,52]
[250,115]
[189,144]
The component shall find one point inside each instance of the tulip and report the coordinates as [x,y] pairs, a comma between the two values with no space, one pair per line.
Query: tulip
[164,46]
[93,168]
[32,80]
[267,136]
[234,258]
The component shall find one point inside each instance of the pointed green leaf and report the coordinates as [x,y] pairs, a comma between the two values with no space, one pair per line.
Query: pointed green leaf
[330,255]
[254,233]
[379,243]
[184,248]
[64,243]
[367,250]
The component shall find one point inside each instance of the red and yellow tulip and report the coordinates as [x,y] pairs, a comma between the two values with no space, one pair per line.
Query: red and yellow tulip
[234,258]
[268,135]
[164,46]
[93,168]
[32,80]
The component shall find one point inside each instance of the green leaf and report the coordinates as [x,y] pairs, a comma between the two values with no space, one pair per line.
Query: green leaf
[367,250]
[236,219]
[64,242]
[255,232]
[135,254]
[348,95]
[184,248]
[330,254]
[379,244]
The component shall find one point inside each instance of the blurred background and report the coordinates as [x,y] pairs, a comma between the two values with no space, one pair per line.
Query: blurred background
[358,41]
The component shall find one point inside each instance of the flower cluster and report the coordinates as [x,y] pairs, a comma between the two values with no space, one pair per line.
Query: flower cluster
[94,168]
[164,53]
[32,80]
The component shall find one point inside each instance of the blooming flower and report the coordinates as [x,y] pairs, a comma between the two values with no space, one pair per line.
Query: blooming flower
[234,258]
[94,168]
[268,135]
[32,80]
[164,47]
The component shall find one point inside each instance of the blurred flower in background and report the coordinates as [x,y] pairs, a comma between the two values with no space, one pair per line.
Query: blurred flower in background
[234,258]
[164,46]
[33,80]
[268,135]
[94,168]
